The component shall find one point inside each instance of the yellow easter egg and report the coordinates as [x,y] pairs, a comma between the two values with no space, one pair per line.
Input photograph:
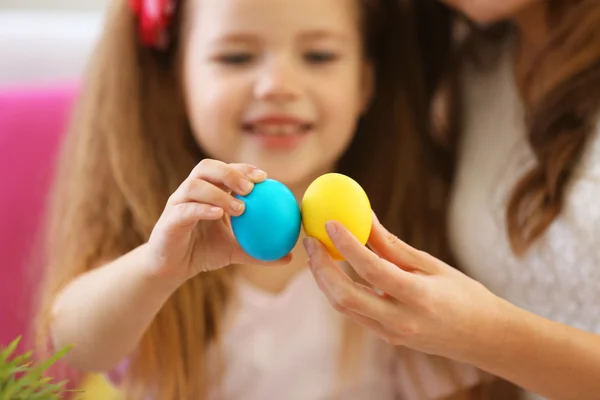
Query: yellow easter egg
[336,197]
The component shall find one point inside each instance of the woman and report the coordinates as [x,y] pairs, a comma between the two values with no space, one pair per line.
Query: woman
[523,216]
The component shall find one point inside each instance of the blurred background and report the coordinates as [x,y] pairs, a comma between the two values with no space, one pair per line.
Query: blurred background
[53,4]
[45,41]
[44,48]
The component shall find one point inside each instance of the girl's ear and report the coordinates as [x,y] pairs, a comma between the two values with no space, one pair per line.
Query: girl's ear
[367,86]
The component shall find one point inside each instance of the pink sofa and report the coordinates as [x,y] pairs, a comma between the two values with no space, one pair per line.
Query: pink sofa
[32,121]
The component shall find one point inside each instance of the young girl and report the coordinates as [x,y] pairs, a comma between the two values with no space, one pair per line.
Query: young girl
[187,103]
[524,213]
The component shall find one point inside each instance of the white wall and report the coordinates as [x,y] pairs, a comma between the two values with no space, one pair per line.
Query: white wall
[47,41]
[52,4]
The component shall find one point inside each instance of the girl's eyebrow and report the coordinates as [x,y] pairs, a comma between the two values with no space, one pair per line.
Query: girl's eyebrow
[317,34]
[250,38]
[235,37]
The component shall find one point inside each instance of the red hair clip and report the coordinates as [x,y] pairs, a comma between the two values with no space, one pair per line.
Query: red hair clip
[154,19]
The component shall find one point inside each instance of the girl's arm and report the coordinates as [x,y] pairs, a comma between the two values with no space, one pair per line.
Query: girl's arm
[429,306]
[105,312]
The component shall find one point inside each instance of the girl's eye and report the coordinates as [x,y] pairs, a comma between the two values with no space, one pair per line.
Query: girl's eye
[320,57]
[235,58]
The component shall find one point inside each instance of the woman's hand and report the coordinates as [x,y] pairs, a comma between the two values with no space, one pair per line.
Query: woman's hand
[194,232]
[431,307]
[426,304]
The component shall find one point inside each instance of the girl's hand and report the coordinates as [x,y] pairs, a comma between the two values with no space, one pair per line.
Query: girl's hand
[427,305]
[194,232]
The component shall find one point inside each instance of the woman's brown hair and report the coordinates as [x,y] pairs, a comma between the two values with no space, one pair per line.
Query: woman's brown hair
[561,94]
[130,146]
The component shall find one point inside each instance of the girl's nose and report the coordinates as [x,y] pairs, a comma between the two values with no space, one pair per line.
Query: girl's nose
[278,82]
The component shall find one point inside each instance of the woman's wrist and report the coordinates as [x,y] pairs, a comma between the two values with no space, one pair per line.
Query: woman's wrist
[507,334]
[539,355]
[490,332]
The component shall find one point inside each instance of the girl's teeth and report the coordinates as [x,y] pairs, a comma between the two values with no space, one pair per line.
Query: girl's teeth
[282,130]
[270,129]
[289,129]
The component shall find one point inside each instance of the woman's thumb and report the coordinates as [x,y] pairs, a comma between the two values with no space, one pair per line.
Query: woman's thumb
[389,247]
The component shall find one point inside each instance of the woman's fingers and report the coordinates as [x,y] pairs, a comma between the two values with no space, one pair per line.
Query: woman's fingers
[368,322]
[342,292]
[374,326]
[389,246]
[378,272]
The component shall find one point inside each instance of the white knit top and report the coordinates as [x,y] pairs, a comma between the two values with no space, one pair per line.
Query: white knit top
[559,278]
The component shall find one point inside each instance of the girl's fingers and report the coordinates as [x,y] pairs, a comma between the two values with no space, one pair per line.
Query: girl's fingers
[239,178]
[188,214]
[203,192]
[255,174]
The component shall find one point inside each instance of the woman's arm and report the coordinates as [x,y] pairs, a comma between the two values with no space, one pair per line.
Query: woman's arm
[431,307]
[545,357]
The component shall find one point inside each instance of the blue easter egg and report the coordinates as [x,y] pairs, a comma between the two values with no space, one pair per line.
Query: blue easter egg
[270,225]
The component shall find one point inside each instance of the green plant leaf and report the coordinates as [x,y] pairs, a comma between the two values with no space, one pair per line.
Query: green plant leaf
[37,372]
[49,392]
[23,358]
[20,379]
[7,352]
[10,389]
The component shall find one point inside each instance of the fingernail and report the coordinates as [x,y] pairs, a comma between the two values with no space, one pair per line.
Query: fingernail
[237,205]
[331,228]
[309,245]
[245,185]
[375,217]
[258,174]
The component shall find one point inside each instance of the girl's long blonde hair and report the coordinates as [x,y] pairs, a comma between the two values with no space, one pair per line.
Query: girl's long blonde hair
[130,146]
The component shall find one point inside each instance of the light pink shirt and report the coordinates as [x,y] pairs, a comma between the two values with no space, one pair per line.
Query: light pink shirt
[285,346]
